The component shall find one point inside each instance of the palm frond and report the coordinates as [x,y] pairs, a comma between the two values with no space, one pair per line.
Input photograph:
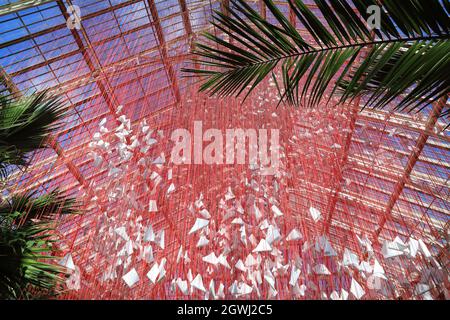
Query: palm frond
[29,206]
[406,60]
[28,243]
[23,255]
[25,125]
[415,69]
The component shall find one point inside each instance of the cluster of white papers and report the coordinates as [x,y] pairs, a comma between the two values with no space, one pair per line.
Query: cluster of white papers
[238,238]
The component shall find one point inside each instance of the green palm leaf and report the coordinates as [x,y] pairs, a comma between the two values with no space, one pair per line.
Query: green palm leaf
[25,125]
[28,244]
[22,254]
[406,60]
[28,240]
[28,206]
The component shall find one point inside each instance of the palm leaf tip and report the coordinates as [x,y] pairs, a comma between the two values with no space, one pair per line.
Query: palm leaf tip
[48,206]
[407,59]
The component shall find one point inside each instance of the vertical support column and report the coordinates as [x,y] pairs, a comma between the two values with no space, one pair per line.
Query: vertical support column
[10,85]
[109,98]
[187,26]
[225,7]
[73,169]
[412,160]
[185,16]
[292,16]
[163,50]
[263,9]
